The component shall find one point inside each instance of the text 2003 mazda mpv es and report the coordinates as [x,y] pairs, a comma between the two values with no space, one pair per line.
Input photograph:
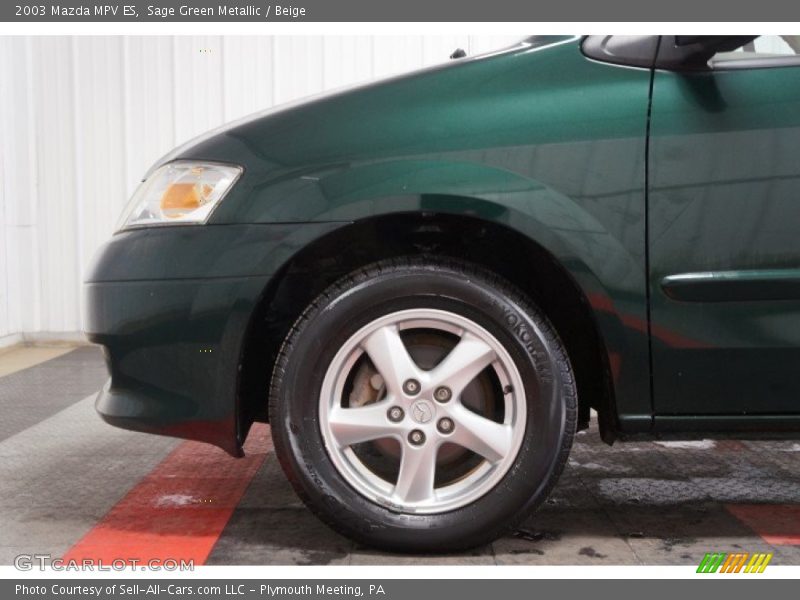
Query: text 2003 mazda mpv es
[426,283]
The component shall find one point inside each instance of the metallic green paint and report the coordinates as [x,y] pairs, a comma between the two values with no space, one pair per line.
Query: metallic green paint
[171,306]
[725,200]
[539,139]
[536,138]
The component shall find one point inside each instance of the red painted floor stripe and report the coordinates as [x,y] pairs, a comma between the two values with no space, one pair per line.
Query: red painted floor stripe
[777,524]
[179,510]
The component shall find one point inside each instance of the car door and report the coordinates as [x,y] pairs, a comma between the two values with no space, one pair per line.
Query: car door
[724,233]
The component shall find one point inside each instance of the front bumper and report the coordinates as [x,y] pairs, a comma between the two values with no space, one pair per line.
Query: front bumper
[171,307]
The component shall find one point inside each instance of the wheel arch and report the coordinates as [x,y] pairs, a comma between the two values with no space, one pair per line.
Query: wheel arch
[489,244]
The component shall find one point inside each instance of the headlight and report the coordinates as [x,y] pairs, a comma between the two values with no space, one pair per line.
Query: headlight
[179,192]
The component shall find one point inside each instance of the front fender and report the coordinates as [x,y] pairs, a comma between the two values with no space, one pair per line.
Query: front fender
[600,246]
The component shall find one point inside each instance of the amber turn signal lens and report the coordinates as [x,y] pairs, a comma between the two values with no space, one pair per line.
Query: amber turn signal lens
[181,198]
[179,192]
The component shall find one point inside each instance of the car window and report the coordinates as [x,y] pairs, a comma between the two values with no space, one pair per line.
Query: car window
[765,50]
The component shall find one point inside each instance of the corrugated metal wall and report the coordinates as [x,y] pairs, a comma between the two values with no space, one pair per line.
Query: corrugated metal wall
[82,118]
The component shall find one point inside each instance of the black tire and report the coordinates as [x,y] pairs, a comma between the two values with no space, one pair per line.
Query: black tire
[422,282]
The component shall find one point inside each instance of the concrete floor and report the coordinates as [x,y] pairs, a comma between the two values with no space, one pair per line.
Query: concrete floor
[72,485]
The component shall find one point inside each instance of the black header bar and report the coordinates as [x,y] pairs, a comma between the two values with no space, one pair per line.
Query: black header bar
[710,11]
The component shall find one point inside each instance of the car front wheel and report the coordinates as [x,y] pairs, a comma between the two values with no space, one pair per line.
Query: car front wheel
[422,405]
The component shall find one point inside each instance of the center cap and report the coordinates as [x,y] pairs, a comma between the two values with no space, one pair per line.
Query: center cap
[422,411]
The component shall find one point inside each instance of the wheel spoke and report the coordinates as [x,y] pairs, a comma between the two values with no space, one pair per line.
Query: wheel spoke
[417,472]
[464,363]
[388,353]
[481,435]
[355,425]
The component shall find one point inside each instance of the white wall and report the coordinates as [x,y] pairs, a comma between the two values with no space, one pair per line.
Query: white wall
[82,118]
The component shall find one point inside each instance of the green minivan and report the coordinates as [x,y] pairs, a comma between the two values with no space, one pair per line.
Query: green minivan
[426,284]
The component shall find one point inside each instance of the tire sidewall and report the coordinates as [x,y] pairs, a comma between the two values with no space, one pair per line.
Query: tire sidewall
[526,336]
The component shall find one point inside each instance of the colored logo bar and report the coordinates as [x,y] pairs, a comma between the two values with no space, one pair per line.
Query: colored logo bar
[737,562]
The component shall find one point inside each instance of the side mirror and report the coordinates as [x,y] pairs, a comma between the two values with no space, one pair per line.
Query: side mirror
[692,52]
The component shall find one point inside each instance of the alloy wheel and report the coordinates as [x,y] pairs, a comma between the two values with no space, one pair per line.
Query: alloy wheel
[422,411]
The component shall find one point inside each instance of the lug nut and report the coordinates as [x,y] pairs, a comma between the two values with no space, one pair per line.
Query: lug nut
[443,394]
[445,425]
[395,414]
[416,437]
[411,387]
